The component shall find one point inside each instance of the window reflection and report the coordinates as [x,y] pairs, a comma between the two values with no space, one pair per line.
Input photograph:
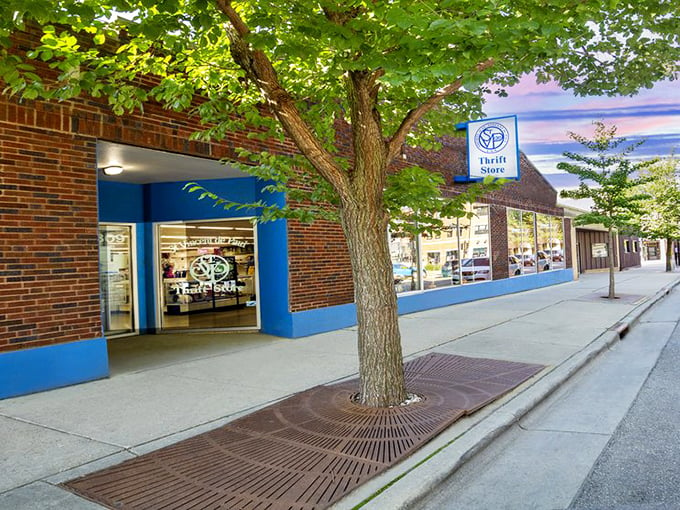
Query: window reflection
[440,255]
[514,242]
[523,257]
[404,261]
[528,254]
[465,240]
[461,252]
[474,246]
[543,242]
[557,243]
[535,242]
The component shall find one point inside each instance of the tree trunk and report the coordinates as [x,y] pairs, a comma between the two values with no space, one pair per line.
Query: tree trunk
[669,255]
[612,294]
[365,221]
[381,370]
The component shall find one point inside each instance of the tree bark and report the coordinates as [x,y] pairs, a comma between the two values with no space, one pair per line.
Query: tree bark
[669,255]
[612,294]
[365,221]
[381,371]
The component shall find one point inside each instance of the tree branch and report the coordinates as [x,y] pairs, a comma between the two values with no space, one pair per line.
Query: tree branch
[260,71]
[341,17]
[415,115]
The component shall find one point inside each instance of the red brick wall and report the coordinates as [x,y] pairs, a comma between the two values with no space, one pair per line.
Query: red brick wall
[48,209]
[320,272]
[568,243]
[48,246]
[499,241]
[48,195]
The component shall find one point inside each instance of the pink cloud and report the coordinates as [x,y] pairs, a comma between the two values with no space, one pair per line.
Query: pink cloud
[628,126]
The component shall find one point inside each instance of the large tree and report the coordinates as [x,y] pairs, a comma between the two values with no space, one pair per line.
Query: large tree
[661,210]
[610,178]
[398,72]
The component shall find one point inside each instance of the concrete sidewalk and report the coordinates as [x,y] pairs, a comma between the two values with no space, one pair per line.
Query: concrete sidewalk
[165,388]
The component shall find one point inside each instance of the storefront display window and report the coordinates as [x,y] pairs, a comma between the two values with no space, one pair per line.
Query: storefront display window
[475,246]
[535,242]
[115,273]
[208,275]
[550,232]
[441,255]
[460,253]
[403,252]
[522,258]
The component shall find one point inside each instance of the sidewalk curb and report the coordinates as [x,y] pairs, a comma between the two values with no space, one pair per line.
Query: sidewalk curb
[409,487]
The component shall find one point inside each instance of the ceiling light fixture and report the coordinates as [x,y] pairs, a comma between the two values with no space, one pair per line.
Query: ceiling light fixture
[113,170]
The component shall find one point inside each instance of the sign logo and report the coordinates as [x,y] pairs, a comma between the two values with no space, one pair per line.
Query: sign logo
[493,148]
[491,137]
[209,268]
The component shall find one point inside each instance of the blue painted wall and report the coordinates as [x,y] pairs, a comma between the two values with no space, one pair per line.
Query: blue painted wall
[168,201]
[53,366]
[120,202]
[273,271]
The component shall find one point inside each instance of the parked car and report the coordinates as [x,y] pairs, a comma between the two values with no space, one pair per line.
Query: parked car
[543,261]
[527,259]
[479,269]
[514,266]
[555,255]
[476,269]
[403,271]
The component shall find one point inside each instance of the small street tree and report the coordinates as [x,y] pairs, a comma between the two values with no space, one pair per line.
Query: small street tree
[608,178]
[398,72]
[661,210]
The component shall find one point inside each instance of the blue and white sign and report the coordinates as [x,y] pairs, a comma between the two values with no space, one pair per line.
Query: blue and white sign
[493,148]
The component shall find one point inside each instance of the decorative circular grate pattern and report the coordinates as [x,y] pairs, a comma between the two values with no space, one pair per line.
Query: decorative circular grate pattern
[307,451]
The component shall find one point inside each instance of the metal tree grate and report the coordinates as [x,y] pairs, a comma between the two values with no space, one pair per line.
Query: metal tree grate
[307,451]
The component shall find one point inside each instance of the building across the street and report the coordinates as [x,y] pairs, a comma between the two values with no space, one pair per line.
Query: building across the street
[90,253]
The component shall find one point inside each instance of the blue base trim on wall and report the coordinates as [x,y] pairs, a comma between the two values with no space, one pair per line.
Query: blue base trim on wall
[472,292]
[52,366]
[322,320]
[311,322]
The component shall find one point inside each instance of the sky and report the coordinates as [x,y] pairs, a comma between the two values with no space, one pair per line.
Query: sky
[546,113]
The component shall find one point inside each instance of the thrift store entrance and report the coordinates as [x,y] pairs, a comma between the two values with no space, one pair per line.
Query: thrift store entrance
[208,275]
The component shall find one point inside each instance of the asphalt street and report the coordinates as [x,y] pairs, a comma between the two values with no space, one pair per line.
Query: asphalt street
[640,467]
[608,439]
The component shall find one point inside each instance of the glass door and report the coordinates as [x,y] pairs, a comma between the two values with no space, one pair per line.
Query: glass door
[208,275]
[115,273]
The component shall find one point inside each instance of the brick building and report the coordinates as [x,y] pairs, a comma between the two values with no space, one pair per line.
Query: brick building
[86,256]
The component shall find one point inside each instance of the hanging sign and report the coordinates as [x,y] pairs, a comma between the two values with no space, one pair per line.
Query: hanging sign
[493,148]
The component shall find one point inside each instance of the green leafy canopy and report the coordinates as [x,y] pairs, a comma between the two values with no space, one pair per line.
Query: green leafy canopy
[660,218]
[430,62]
[609,178]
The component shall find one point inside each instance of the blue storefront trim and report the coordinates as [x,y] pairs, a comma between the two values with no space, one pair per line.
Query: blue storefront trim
[153,203]
[43,368]
[335,317]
